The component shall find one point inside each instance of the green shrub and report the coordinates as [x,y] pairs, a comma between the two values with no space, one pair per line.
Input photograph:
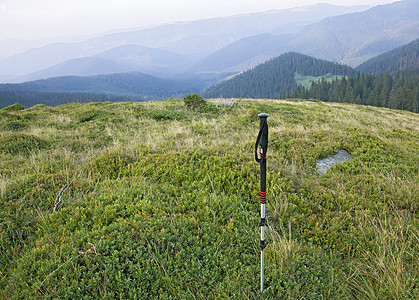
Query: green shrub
[198,169]
[252,115]
[311,274]
[98,137]
[21,144]
[110,165]
[14,125]
[88,116]
[6,116]
[98,115]
[196,103]
[13,107]
[160,115]
[10,121]
[29,116]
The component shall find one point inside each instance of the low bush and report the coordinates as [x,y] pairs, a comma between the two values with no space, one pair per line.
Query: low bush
[160,115]
[196,103]
[13,107]
[110,165]
[21,144]
[14,125]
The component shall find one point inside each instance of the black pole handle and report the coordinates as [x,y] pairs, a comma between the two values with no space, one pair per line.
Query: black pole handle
[262,139]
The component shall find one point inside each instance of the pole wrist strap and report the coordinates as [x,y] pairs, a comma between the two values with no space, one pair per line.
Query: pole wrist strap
[264,148]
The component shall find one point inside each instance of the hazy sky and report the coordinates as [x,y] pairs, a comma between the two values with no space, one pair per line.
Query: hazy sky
[32,19]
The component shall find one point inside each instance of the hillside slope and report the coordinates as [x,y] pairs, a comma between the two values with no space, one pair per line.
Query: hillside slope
[402,59]
[390,80]
[155,201]
[353,38]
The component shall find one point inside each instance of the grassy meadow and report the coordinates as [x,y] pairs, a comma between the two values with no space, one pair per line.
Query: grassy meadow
[306,81]
[160,200]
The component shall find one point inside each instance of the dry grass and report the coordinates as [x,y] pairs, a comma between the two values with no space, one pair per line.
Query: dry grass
[3,185]
[382,269]
[282,248]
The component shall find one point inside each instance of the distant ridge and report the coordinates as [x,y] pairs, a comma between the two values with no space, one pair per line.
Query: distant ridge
[129,84]
[85,66]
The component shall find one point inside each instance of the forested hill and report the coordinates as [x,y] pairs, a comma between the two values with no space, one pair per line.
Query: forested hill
[402,59]
[128,84]
[275,77]
[31,98]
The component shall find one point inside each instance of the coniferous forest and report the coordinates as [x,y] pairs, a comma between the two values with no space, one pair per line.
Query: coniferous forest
[392,81]
[275,77]
[31,98]
[399,91]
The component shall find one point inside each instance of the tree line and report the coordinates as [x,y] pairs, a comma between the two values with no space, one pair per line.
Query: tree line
[31,98]
[108,87]
[400,91]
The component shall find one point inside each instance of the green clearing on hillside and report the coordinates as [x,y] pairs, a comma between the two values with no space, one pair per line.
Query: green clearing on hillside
[154,200]
[306,81]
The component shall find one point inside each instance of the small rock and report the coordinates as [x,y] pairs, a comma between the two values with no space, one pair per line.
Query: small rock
[323,165]
[286,112]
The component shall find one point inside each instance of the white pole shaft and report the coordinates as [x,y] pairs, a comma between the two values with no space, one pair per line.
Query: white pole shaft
[261,270]
[262,238]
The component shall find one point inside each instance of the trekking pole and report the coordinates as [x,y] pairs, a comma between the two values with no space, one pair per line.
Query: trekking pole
[262,141]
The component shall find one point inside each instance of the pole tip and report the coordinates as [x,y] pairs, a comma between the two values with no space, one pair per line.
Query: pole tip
[263,115]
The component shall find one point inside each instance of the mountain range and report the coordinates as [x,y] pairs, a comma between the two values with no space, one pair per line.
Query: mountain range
[279,77]
[390,80]
[219,45]
[174,59]
[348,39]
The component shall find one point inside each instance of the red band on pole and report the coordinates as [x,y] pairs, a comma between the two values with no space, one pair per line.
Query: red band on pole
[262,197]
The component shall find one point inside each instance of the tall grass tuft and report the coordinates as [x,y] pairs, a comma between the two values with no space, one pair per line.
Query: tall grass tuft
[388,265]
